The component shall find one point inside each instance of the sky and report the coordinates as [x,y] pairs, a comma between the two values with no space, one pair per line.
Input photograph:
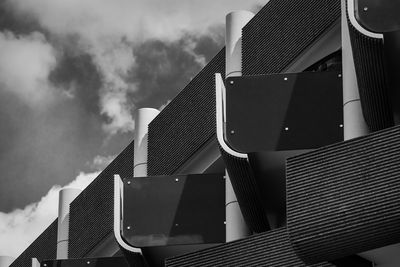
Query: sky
[72,74]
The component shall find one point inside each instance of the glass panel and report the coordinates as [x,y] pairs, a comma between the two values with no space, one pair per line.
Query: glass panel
[100,262]
[284,111]
[174,210]
[378,16]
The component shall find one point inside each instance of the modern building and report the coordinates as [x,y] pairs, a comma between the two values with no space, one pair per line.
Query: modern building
[297,115]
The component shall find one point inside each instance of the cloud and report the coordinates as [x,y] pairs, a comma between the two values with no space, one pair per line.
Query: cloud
[19,228]
[25,64]
[101,162]
[109,30]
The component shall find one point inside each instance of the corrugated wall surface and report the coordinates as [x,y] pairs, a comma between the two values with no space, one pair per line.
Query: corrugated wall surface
[345,198]
[92,212]
[282,30]
[187,123]
[44,247]
[267,249]
[370,67]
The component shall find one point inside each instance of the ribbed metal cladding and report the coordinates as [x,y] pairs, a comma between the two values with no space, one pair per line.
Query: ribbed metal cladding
[282,31]
[345,198]
[270,249]
[370,71]
[247,193]
[187,123]
[44,247]
[92,212]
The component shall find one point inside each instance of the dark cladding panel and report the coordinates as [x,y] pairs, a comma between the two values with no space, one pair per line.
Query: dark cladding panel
[88,262]
[174,210]
[378,16]
[92,212]
[284,111]
[187,123]
[283,30]
[267,249]
[369,62]
[44,247]
[344,199]
[247,192]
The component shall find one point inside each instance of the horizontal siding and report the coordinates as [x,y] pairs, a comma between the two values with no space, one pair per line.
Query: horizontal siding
[270,249]
[345,198]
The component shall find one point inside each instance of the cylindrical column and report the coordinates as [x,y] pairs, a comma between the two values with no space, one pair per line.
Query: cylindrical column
[35,262]
[66,196]
[143,117]
[353,119]
[236,227]
[235,21]
[6,261]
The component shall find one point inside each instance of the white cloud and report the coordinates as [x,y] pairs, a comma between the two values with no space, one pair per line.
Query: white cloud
[19,228]
[108,30]
[101,162]
[25,65]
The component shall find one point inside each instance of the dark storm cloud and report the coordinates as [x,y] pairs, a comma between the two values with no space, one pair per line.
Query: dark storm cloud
[163,69]
[24,25]
[78,73]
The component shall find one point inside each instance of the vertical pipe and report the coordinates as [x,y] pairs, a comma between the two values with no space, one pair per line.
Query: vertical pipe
[66,196]
[143,117]
[353,119]
[235,21]
[236,227]
[6,261]
[35,263]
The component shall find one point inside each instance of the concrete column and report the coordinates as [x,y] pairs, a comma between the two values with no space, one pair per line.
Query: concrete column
[6,261]
[35,263]
[143,117]
[236,227]
[235,21]
[353,119]
[66,196]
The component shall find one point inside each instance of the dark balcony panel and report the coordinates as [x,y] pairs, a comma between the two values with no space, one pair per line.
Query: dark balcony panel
[283,30]
[88,262]
[344,199]
[174,210]
[284,111]
[266,249]
[378,16]
[369,61]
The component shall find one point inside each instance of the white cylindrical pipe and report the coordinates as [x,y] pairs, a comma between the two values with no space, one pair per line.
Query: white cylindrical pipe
[236,227]
[143,117]
[235,21]
[5,261]
[66,196]
[353,118]
[35,263]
